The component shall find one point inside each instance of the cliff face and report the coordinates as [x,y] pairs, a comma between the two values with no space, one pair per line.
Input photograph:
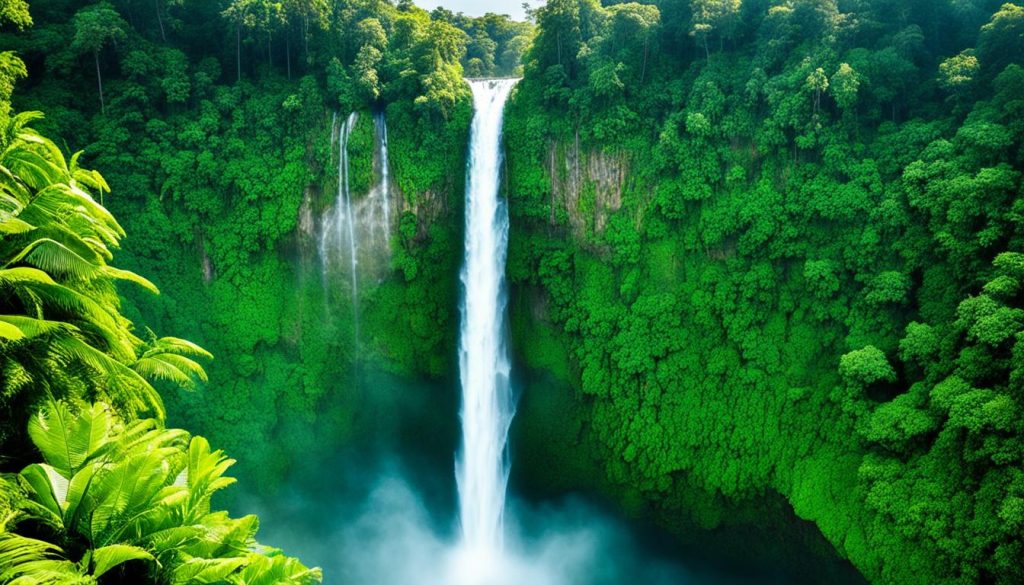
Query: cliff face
[273,300]
[586,185]
[675,406]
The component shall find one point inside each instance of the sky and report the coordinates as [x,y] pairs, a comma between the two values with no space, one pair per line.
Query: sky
[513,8]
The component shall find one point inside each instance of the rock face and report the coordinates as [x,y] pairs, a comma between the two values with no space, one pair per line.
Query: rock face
[586,185]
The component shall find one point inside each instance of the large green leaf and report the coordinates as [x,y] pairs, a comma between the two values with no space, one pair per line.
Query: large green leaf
[9,332]
[200,571]
[125,491]
[68,441]
[78,493]
[205,474]
[56,258]
[47,487]
[276,570]
[126,275]
[108,557]
[13,226]
[19,327]
[24,274]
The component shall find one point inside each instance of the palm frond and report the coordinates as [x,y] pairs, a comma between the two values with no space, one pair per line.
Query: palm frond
[129,276]
[198,570]
[21,327]
[108,557]
[276,570]
[56,258]
[127,385]
[29,561]
[68,440]
[205,475]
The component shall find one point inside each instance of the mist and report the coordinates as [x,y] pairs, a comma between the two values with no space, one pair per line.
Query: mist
[390,536]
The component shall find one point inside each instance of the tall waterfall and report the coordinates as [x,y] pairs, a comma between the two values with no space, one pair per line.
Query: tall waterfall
[487,403]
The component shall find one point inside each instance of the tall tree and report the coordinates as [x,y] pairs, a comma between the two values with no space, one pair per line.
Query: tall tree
[1002,39]
[720,17]
[311,13]
[633,26]
[256,17]
[97,26]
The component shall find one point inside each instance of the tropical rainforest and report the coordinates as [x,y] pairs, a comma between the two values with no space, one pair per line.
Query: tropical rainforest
[758,249]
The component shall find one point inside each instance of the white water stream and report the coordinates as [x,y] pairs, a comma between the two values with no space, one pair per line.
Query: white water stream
[487,403]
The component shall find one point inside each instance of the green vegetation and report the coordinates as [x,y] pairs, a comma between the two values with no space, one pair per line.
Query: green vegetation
[212,122]
[496,43]
[117,498]
[775,246]
[781,243]
[127,503]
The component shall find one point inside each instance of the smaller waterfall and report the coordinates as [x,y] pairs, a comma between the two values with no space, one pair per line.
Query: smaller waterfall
[373,214]
[355,237]
[345,207]
[385,173]
[339,229]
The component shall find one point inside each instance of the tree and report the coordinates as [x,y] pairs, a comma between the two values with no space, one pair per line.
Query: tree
[709,17]
[957,73]
[482,48]
[866,366]
[1002,39]
[16,13]
[845,83]
[633,26]
[255,16]
[817,83]
[97,26]
[308,11]
[559,36]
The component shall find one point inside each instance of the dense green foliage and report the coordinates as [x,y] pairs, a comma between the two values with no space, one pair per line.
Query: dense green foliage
[61,329]
[781,242]
[117,498]
[213,123]
[496,43]
[775,246]
[127,503]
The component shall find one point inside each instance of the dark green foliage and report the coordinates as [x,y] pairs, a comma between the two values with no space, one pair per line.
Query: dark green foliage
[216,135]
[495,43]
[785,255]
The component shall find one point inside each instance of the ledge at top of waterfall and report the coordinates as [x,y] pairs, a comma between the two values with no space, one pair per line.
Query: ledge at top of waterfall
[487,404]
[477,79]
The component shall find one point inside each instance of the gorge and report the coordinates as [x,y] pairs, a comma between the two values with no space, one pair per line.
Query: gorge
[747,273]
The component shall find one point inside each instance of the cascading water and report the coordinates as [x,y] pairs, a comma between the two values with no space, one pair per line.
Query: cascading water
[383,192]
[346,219]
[355,238]
[373,213]
[487,403]
[339,225]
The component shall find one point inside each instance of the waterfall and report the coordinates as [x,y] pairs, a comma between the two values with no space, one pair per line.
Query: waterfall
[487,403]
[373,214]
[339,225]
[385,176]
[346,219]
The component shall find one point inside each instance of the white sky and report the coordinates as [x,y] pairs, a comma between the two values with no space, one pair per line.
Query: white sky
[513,8]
